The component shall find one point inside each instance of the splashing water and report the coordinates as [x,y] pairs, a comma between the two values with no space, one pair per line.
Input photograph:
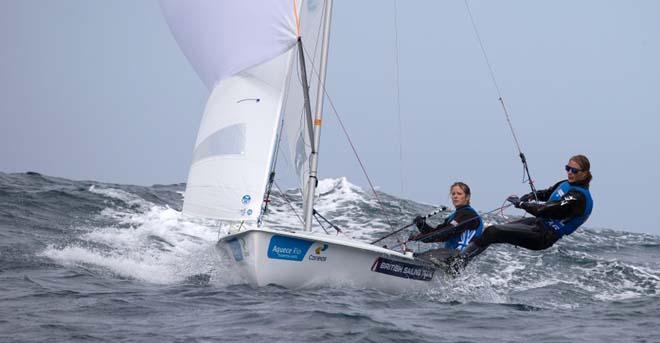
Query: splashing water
[79,240]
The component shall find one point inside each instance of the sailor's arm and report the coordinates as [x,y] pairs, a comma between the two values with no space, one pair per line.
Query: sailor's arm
[541,195]
[422,226]
[464,221]
[570,205]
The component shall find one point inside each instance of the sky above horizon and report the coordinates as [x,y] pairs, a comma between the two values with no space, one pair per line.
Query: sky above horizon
[99,90]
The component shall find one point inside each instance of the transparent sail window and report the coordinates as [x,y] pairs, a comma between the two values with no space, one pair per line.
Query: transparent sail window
[227,141]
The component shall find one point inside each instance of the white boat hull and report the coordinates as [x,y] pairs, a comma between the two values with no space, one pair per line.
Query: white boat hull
[295,259]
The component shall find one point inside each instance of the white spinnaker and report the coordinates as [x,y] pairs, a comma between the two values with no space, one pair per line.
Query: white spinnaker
[295,129]
[223,37]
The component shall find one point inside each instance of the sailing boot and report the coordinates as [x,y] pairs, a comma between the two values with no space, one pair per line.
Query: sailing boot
[471,251]
[455,264]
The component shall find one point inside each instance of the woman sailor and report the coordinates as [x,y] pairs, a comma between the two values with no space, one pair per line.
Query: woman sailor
[565,207]
[459,227]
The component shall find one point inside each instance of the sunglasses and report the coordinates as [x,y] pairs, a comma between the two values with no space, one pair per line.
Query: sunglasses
[572,170]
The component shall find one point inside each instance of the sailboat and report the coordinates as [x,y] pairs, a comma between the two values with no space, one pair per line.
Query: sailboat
[264,62]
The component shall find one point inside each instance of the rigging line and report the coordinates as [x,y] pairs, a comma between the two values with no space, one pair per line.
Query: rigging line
[313,56]
[271,179]
[440,209]
[302,119]
[283,123]
[492,73]
[483,50]
[397,97]
[303,77]
[350,142]
[318,29]
[279,135]
[294,210]
[276,154]
[288,202]
[297,18]
[431,233]
[305,87]
[318,33]
[321,224]
[316,213]
[500,98]
[287,162]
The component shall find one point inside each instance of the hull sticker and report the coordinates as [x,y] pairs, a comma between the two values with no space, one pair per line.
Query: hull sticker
[402,269]
[319,254]
[235,247]
[287,248]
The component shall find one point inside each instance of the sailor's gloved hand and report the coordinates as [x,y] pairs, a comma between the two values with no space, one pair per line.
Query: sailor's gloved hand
[420,222]
[514,200]
[527,197]
[525,206]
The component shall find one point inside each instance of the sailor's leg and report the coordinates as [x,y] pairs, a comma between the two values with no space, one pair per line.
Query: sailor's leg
[517,231]
[527,233]
[455,264]
[472,250]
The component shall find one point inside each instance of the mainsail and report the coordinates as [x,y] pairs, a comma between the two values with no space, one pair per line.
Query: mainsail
[244,51]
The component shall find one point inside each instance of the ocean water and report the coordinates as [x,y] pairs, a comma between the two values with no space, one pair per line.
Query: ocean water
[85,261]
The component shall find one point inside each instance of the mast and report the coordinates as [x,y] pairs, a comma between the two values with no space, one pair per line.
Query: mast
[312,182]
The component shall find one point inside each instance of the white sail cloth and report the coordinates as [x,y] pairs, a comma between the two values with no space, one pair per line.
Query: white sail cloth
[234,147]
[296,132]
[244,51]
[223,37]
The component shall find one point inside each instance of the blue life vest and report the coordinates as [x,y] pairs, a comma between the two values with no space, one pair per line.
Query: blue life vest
[567,226]
[461,242]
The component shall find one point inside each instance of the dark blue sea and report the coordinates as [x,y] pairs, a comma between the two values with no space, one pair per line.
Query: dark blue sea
[85,261]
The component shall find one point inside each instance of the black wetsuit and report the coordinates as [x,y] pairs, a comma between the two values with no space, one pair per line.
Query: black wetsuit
[465,218]
[533,233]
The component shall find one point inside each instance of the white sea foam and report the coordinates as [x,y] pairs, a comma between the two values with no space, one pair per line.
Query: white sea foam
[114,193]
[159,245]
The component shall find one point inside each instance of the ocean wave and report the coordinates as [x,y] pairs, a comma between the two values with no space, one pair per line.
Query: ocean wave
[139,233]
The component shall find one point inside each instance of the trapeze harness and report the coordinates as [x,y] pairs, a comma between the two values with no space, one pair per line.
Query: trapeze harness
[461,241]
[568,226]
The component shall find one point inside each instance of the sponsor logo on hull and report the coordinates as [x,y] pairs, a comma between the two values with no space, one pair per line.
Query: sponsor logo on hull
[287,248]
[318,253]
[402,269]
